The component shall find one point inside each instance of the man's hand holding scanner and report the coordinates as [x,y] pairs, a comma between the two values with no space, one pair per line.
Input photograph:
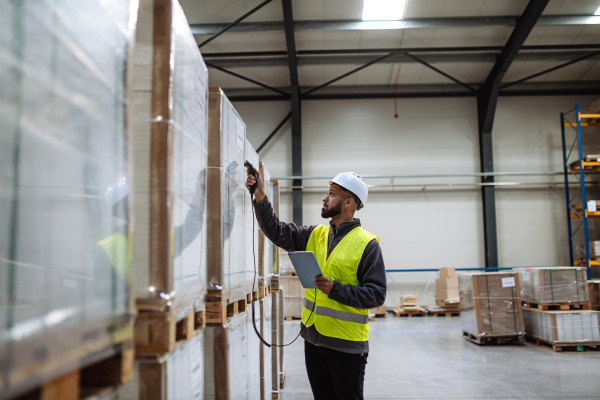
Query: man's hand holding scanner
[259,194]
[324,284]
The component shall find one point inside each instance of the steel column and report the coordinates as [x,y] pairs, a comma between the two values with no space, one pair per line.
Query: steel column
[487,100]
[567,194]
[288,21]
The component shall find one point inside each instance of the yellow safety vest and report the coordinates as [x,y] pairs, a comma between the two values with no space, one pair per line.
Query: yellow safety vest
[117,250]
[331,318]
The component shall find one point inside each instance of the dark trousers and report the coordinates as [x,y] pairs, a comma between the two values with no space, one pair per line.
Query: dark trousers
[334,374]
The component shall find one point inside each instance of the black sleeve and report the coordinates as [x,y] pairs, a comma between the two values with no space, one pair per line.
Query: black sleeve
[371,275]
[288,236]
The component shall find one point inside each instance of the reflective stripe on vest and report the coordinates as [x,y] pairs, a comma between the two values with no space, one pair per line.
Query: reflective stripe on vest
[331,318]
[116,248]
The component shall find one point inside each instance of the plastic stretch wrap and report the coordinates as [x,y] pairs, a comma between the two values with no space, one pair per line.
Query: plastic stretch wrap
[593,290]
[252,229]
[281,330]
[226,374]
[226,210]
[169,147]
[254,345]
[553,285]
[266,257]
[491,304]
[275,198]
[266,380]
[563,326]
[294,296]
[274,351]
[63,145]
[179,375]
[285,264]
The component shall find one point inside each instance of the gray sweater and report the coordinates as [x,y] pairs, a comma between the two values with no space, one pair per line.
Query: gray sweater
[370,273]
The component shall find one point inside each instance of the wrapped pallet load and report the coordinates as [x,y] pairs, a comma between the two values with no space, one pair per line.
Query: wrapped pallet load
[227,208]
[266,378]
[64,265]
[252,229]
[253,351]
[558,329]
[556,285]
[169,168]
[226,366]
[265,252]
[491,307]
[177,375]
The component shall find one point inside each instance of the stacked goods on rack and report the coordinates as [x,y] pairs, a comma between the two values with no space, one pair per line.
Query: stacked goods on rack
[169,147]
[594,250]
[446,289]
[409,307]
[226,210]
[227,373]
[593,291]
[275,199]
[563,329]
[590,161]
[66,303]
[491,309]
[294,292]
[252,232]
[558,287]
[178,374]
[265,246]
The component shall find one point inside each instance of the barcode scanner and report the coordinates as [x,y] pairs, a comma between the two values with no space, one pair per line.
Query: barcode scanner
[252,172]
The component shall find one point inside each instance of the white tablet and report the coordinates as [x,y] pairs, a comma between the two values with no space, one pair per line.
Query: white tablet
[306,266]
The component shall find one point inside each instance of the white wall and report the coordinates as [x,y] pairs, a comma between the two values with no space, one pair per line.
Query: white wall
[434,227]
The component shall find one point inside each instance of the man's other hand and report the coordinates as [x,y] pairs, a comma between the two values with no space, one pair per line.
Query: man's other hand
[259,193]
[324,284]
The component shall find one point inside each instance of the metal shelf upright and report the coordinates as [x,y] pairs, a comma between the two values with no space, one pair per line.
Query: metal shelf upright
[578,170]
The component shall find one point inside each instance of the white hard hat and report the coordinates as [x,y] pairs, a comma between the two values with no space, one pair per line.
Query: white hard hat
[116,192]
[354,183]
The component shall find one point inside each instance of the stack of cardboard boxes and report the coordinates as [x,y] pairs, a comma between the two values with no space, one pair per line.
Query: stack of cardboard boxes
[446,292]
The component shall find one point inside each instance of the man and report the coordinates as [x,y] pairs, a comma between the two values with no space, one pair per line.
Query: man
[334,318]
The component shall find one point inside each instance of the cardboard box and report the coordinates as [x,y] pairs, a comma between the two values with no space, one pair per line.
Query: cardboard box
[447,293]
[491,304]
[380,310]
[446,283]
[408,300]
[447,272]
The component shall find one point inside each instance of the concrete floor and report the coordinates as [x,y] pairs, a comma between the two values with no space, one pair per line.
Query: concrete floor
[427,358]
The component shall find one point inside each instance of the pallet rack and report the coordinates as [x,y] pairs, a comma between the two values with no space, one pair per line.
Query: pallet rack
[578,171]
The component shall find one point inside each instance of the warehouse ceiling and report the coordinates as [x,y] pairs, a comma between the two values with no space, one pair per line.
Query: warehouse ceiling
[427,31]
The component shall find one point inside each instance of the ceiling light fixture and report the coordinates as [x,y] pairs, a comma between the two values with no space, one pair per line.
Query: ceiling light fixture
[383,10]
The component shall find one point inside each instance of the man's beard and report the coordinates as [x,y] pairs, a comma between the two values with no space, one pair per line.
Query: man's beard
[331,212]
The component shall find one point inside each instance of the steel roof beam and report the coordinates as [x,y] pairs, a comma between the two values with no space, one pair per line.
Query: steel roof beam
[421,23]
[472,57]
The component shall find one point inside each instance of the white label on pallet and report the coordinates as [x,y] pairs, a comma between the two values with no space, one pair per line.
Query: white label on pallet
[525,275]
[508,282]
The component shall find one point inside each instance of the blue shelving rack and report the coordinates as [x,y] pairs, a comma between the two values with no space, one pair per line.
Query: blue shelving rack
[578,170]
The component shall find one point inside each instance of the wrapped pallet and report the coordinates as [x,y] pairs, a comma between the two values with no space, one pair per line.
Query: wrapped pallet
[226,202]
[275,351]
[226,373]
[253,352]
[266,378]
[169,147]
[294,295]
[266,247]
[252,235]
[275,198]
[554,285]
[491,307]
[563,328]
[593,290]
[178,375]
[64,263]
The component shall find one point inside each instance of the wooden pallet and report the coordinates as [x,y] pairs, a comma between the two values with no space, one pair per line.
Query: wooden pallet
[447,313]
[559,347]
[557,306]
[158,333]
[101,378]
[293,318]
[520,339]
[400,313]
